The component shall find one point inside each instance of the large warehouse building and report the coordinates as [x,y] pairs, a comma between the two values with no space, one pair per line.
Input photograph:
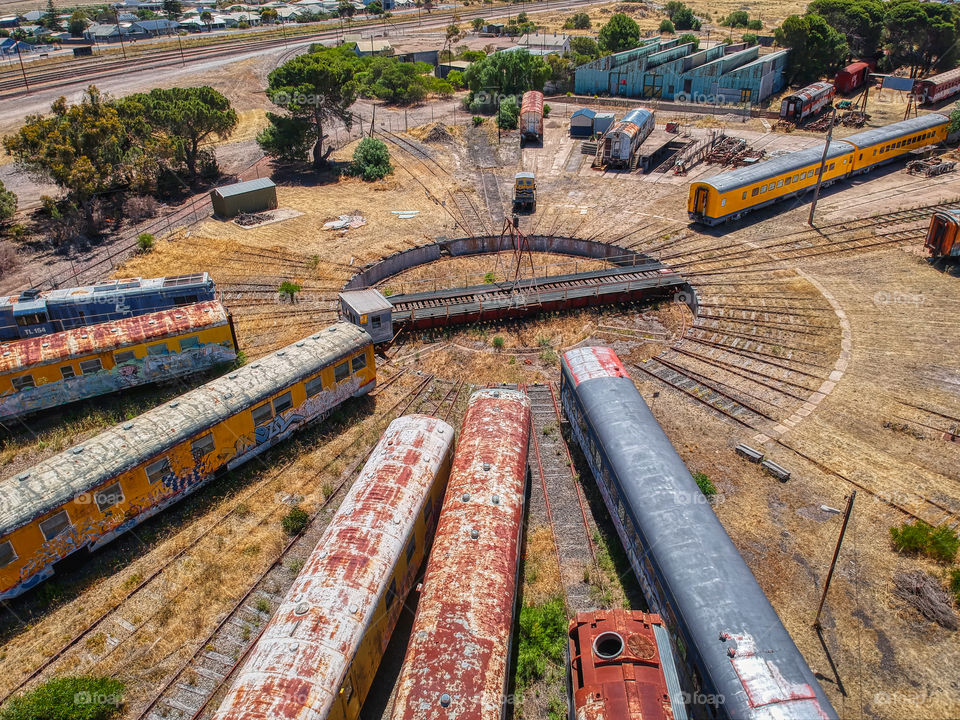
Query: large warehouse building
[665,70]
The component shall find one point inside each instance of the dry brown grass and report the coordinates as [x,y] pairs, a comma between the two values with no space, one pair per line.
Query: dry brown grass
[541,581]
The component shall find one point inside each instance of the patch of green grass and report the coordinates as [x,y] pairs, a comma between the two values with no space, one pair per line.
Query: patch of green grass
[543,637]
[295,521]
[263,605]
[940,543]
[498,342]
[84,697]
[705,484]
[549,357]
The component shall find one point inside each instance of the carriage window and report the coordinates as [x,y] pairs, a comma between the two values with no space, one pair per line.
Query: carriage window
[313,386]
[347,690]
[803,176]
[391,593]
[832,166]
[108,497]
[7,555]
[755,191]
[411,548]
[122,357]
[744,195]
[375,322]
[284,402]
[23,382]
[787,181]
[53,526]
[67,372]
[428,508]
[763,189]
[358,363]
[796,177]
[341,371]
[189,343]
[262,414]
[158,349]
[202,445]
[156,470]
[90,366]
[780,183]
[723,202]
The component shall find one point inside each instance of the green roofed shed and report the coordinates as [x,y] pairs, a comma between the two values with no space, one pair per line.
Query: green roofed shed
[244,197]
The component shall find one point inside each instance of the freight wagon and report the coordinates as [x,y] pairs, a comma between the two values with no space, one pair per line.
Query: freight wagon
[731,195]
[937,87]
[60,368]
[942,239]
[89,494]
[618,146]
[807,102]
[622,668]
[531,117]
[33,312]
[732,649]
[318,655]
[456,663]
[852,77]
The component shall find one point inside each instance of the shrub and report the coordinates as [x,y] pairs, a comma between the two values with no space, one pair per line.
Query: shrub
[455,78]
[477,121]
[738,18]
[577,21]
[546,110]
[667,27]
[295,521]
[543,634]
[754,25]
[954,584]
[145,242]
[508,114]
[371,160]
[940,543]
[8,204]
[498,342]
[689,38]
[140,207]
[705,484]
[489,278]
[750,39]
[77,698]
[289,289]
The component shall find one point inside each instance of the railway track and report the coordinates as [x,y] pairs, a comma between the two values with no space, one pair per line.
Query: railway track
[566,508]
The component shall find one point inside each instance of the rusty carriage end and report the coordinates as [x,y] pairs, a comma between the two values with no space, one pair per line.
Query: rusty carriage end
[632,277]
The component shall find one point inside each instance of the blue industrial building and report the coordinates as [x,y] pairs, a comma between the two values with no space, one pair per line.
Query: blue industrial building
[662,69]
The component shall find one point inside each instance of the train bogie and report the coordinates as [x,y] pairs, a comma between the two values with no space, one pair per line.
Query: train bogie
[87,495]
[729,640]
[59,368]
[457,660]
[318,655]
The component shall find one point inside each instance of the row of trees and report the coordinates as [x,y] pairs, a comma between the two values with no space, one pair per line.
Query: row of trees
[142,143]
[919,35]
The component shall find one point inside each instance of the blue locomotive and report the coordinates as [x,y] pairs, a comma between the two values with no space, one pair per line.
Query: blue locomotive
[735,657]
[33,313]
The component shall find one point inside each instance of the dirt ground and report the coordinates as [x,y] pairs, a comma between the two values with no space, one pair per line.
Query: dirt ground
[841,337]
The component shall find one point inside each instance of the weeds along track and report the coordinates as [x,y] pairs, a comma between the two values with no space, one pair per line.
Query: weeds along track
[566,508]
[106,640]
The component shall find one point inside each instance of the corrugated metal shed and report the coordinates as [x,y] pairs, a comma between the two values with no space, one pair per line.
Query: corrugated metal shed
[52,482]
[244,197]
[581,122]
[603,122]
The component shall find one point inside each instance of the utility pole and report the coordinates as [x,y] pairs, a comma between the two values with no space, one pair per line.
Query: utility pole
[180,44]
[116,14]
[23,70]
[836,554]
[823,163]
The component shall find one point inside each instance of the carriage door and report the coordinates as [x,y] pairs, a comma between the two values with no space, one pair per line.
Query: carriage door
[700,200]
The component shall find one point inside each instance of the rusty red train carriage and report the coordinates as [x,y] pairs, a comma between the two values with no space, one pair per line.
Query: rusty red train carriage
[319,653]
[622,668]
[457,662]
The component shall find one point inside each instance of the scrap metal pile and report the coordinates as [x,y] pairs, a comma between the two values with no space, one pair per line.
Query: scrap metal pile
[930,167]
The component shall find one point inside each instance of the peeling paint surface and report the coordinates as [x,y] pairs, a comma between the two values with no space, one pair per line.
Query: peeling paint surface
[319,652]
[589,363]
[627,686]
[70,480]
[457,660]
[99,342]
